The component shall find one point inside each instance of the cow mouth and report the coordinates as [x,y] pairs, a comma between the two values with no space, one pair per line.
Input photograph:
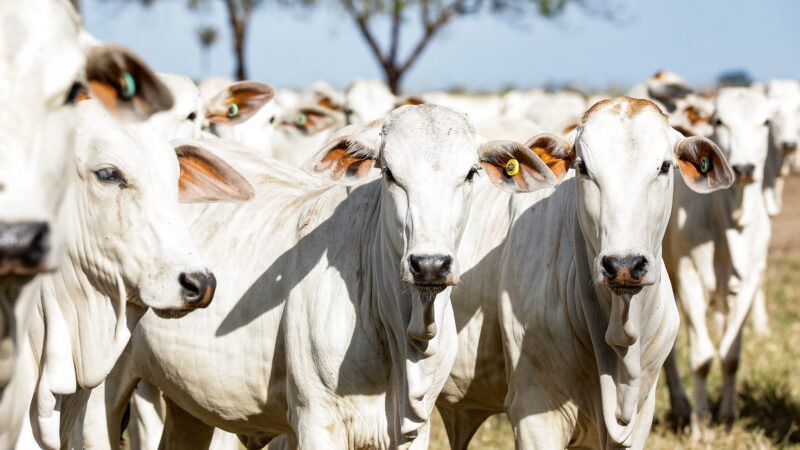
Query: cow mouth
[171,313]
[430,288]
[625,290]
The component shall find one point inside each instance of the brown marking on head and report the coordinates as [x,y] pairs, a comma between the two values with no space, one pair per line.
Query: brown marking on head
[411,100]
[635,106]
[659,74]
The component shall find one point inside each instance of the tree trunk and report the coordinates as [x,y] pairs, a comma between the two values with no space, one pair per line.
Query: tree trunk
[241,72]
[393,77]
[238,20]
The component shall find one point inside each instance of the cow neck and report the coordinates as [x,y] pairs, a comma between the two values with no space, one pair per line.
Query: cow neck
[414,366]
[739,205]
[616,326]
[83,332]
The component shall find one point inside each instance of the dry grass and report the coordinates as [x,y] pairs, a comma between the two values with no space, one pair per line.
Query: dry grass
[769,384]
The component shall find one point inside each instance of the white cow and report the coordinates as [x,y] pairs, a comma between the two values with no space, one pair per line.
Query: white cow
[301,131]
[565,311]
[368,100]
[716,252]
[47,62]
[664,89]
[783,141]
[338,330]
[126,248]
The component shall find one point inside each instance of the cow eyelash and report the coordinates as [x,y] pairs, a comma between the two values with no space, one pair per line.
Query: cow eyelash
[665,166]
[111,175]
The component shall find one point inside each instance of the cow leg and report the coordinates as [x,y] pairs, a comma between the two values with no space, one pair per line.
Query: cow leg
[535,425]
[283,442]
[730,365]
[644,420]
[147,423]
[317,429]
[461,425]
[184,431]
[681,410]
[759,314]
[422,441]
[694,303]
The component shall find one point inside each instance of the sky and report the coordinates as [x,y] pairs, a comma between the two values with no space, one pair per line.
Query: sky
[291,48]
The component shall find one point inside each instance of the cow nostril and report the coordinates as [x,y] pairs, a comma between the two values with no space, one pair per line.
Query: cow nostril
[24,244]
[610,266]
[638,267]
[789,146]
[430,269]
[198,287]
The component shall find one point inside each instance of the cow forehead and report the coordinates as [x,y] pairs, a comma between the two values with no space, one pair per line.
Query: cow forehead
[428,137]
[742,106]
[39,46]
[136,148]
[624,130]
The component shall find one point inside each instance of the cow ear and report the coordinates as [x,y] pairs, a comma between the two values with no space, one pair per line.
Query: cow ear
[345,159]
[555,151]
[124,84]
[515,168]
[205,177]
[702,164]
[238,102]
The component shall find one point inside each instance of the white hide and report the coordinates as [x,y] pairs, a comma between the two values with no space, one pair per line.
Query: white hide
[369,100]
[328,288]
[716,250]
[126,248]
[581,353]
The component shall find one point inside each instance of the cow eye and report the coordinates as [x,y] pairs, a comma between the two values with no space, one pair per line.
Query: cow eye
[665,166]
[76,93]
[388,174]
[767,123]
[718,122]
[471,173]
[111,175]
[192,115]
[582,168]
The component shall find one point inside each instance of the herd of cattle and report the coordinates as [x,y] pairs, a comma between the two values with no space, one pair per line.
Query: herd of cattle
[352,260]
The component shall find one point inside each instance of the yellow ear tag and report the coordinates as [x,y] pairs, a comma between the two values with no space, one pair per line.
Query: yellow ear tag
[512,167]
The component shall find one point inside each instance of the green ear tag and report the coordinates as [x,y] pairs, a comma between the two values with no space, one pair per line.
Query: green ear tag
[705,164]
[127,85]
[233,110]
[300,120]
[512,168]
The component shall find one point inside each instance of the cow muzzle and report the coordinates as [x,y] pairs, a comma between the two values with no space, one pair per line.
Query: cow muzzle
[431,272]
[23,248]
[626,275]
[788,147]
[744,173]
[197,289]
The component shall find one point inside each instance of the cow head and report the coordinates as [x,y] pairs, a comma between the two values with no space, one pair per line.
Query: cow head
[301,130]
[185,119]
[122,224]
[741,127]
[429,156]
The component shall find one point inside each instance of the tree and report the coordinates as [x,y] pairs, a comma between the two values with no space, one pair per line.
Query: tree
[433,15]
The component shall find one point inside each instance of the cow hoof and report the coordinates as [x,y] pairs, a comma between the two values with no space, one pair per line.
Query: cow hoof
[680,413]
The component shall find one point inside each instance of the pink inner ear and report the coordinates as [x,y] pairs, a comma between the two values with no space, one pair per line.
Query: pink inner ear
[201,182]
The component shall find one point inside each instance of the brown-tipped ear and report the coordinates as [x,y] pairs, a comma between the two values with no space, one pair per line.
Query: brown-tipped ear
[514,168]
[239,102]
[124,84]
[346,159]
[702,164]
[554,150]
[207,178]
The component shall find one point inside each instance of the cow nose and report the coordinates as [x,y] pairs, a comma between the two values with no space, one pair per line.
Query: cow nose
[789,147]
[430,269]
[23,247]
[198,288]
[743,171]
[627,270]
